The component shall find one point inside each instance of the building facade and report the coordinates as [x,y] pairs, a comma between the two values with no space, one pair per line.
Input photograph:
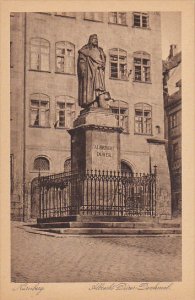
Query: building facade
[173,111]
[44,91]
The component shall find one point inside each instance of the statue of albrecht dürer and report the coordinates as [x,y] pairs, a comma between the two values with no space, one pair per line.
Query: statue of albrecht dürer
[91,72]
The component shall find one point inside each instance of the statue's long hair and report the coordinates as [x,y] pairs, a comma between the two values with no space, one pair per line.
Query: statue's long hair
[90,40]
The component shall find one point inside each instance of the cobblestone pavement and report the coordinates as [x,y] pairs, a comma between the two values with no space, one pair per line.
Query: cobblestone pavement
[41,258]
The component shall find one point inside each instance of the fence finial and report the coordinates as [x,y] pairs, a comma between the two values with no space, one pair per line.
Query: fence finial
[155,169]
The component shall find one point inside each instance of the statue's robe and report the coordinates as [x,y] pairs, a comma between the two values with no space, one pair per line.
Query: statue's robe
[91,76]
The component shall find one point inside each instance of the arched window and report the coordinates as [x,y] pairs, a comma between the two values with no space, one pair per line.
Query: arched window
[67,165]
[39,110]
[125,168]
[143,118]
[65,111]
[39,54]
[142,64]
[65,57]
[118,63]
[41,164]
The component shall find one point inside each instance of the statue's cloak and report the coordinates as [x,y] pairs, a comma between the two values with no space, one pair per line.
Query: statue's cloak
[91,77]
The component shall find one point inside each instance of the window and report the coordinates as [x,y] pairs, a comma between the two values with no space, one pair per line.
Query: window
[120,109]
[117,18]
[65,112]
[143,118]
[94,16]
[173,120]
[67,165]
[39,54]
[175,151]
[39,110]
[41,164]
[142,67]
[118,64]
[125,168]
[66,14]
[65,57]
[140,20]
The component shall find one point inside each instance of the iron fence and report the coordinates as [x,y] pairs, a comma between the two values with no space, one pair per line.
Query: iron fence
[95,193]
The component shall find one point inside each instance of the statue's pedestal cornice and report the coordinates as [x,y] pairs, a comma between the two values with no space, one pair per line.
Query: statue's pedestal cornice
[96,117]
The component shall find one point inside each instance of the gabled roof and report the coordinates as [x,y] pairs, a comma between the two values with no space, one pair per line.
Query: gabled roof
[172,62]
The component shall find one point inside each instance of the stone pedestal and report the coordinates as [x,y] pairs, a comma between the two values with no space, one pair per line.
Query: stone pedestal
[95,141]
[95,145]
[163,185]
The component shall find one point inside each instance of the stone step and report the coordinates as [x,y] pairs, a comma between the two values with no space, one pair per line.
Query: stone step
[58,219]
[97,218]
[114,231]
[106,225]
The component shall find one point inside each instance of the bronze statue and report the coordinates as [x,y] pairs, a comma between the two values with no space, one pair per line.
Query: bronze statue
[91,74]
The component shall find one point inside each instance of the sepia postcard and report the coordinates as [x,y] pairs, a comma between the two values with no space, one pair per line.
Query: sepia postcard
[97,149]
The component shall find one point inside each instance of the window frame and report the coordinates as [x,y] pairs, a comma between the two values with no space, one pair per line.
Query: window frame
[42,98]
[41,170]
[141,67]
[116,16]
[117,52]
[67,165]
[118,115]
[39,53]
[93,18]
[143,119]
[141,15]
[65,99]
[65,56]
[173,123]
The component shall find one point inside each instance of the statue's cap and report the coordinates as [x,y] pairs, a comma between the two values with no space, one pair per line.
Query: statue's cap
[92,36]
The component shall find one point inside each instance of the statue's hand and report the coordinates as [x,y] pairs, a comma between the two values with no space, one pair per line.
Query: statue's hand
[101,66]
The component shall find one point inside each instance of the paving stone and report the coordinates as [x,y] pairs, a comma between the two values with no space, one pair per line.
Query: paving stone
[41,258]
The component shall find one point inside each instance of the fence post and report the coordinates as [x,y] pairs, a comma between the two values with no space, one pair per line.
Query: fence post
[39,185]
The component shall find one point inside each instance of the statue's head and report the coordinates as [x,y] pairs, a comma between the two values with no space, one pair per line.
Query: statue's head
[93,40]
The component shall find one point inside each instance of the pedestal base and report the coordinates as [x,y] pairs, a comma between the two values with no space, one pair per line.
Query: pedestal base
[95,141]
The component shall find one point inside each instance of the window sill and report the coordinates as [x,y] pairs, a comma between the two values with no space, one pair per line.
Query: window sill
[112,78]
[63,73]
[31,126]
[43,13]
[139,27]
[69,17]
[143,134]
[139,81]
[99,21]
[125,25]
[41,71]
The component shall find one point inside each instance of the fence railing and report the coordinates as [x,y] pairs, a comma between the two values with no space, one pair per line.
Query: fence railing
[95,193]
